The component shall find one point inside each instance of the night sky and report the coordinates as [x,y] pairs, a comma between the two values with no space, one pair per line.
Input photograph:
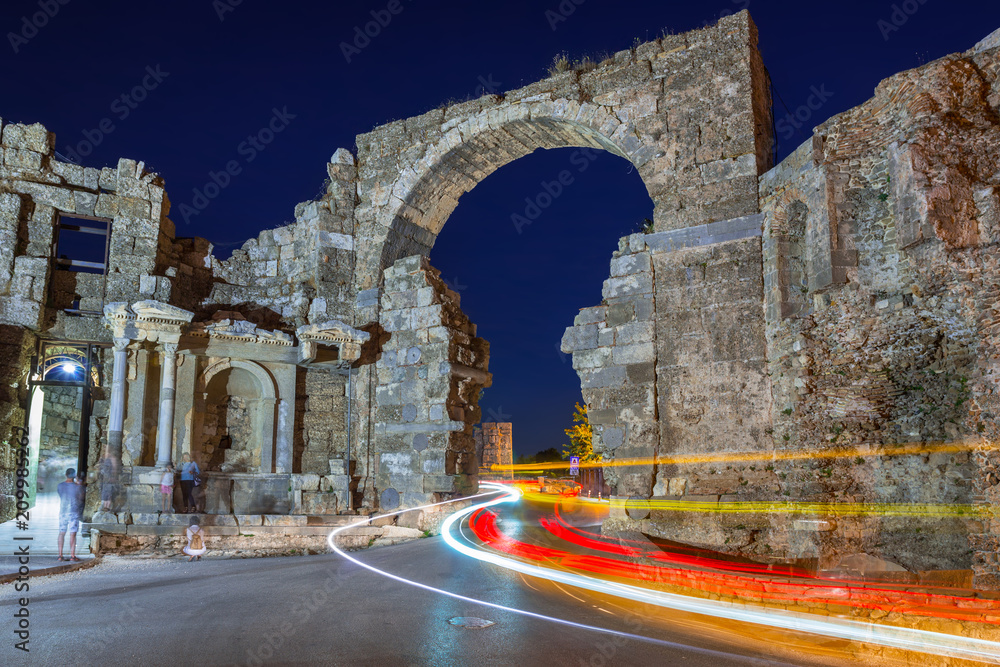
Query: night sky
[212,73]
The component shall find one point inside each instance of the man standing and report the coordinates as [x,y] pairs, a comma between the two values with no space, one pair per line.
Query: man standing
[70,509]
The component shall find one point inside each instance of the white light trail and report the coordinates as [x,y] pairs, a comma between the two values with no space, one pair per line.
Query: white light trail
[904,638]
[509,497]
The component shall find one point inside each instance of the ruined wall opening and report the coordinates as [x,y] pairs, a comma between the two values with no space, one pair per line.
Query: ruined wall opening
[552,221]
[80,252]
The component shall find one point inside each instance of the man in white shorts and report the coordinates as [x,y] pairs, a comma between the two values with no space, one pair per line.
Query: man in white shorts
[70,509]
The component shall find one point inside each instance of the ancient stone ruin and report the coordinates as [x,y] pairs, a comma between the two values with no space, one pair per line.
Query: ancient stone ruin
[495,447]
[819,331]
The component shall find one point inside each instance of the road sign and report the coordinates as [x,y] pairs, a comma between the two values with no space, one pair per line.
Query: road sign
[574,465]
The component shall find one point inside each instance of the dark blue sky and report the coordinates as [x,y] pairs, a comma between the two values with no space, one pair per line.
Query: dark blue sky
[210,82]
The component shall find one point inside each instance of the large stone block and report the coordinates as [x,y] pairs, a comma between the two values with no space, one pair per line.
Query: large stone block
[268,495]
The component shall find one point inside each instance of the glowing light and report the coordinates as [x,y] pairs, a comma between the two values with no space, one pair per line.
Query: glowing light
[69,367]
[832,509]
[906,449]
[903,638]
[331,540]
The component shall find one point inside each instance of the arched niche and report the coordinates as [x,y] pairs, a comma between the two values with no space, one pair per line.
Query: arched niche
[237,402]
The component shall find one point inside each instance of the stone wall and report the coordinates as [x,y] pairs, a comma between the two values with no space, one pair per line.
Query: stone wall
[16,347]
[494,447]
[301,273]
[324,421]
[61,414]
[429,376]
[809,334]
[614,353]
[894,349]
[844,357]
[690,111]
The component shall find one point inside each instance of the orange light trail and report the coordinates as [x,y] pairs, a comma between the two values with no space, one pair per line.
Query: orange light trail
[908,449]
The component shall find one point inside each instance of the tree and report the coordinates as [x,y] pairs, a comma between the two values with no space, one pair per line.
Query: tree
[550,455]
[581,436]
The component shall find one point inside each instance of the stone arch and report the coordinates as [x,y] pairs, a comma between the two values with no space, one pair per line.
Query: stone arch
[268,387]
[427,192]
[256,398]
[700,167]
[691,113]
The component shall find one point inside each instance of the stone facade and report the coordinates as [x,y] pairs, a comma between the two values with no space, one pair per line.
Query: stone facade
[429,377]
[811,332]
[494,447]
[843,357]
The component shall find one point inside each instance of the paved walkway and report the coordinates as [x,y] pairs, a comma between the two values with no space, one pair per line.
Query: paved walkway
[43,531]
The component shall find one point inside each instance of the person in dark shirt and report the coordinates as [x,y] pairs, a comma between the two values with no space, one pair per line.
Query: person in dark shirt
[71,498]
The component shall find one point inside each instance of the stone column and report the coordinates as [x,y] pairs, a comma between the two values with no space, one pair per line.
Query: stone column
[116,419]
[165,425]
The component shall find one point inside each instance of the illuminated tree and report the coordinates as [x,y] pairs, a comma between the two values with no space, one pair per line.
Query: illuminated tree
[581,436]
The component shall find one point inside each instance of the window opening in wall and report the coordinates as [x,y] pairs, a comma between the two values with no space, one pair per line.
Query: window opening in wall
[82,245]
[80,256]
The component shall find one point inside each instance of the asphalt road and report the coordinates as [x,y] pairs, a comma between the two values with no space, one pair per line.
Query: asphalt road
[324,610]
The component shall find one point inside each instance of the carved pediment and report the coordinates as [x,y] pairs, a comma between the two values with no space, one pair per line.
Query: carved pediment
[156,311]
[146,320]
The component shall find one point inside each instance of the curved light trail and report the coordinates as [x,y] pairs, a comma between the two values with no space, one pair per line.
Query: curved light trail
[897,637]
[331,540]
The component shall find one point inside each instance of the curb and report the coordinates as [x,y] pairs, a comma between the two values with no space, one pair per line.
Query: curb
[55,569]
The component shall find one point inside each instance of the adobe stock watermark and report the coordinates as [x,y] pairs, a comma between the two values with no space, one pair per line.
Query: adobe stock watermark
[455,285]
[900,14]
[248,150]
[564,357]
[487,86]
[561,13]
[738,6]
[794,120]
[364,34]
[31,24]
[318,599]
[497,415]
[606,648]
[223,7]
[121,108]
[581,158]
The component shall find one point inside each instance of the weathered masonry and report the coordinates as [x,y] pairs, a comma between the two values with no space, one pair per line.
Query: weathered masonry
[830,320]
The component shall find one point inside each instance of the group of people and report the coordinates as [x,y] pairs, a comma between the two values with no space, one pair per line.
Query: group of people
[72,496]
[190,473]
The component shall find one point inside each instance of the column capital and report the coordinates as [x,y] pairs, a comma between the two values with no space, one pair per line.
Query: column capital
[121,342]
[168,349]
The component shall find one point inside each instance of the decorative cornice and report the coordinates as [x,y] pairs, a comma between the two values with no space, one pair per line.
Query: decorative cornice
[334,332]
[232,327]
